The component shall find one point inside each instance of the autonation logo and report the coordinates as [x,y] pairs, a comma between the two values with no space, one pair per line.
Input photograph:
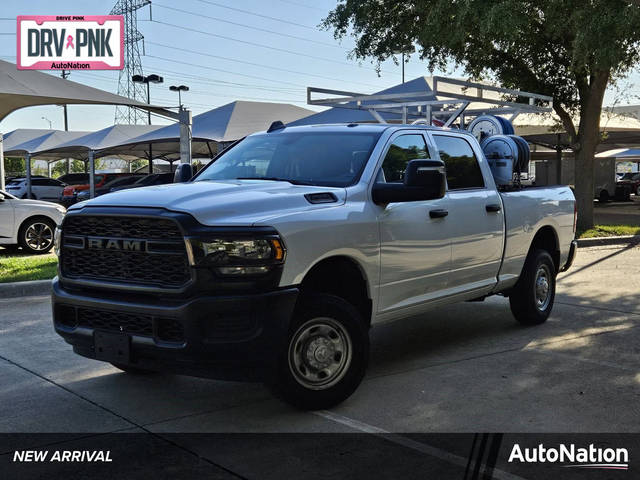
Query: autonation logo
[576,457]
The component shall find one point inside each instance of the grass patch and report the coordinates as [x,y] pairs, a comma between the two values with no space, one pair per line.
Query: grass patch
[18,268]
[610,231]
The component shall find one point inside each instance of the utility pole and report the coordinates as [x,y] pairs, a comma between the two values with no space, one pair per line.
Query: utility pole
[64,75]
[133,39]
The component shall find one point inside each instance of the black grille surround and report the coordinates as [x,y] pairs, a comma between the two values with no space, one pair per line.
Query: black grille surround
[162,329]
[161,262]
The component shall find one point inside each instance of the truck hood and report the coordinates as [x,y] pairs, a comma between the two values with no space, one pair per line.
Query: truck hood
[228,202]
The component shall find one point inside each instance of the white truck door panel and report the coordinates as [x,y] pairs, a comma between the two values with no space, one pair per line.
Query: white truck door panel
[477,239]
[476,215]
[415,253]
[415,249]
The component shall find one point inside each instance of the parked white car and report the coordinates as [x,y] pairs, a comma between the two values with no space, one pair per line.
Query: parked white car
[42,188]
[28,223]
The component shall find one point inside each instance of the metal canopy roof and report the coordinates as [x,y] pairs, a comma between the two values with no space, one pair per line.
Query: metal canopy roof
[26,88]
[223,124]
[50,139]
[79,147]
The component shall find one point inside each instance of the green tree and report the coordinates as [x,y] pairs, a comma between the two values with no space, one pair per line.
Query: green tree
[569,49]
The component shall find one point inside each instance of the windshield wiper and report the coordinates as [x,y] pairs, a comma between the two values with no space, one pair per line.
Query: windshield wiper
[277,179]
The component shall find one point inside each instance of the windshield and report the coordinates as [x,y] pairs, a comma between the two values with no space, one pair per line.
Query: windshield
[334,159]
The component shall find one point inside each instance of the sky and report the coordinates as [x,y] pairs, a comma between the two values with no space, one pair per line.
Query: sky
[224,50]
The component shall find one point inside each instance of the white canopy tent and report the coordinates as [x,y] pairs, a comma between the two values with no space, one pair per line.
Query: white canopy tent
[219,126]
[93,145]
[28,148]
[25,88]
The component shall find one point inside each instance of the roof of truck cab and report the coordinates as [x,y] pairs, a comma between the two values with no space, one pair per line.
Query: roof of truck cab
[361,127]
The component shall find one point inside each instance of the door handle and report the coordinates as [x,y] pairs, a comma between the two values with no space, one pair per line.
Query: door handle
[493,207]
[440,213]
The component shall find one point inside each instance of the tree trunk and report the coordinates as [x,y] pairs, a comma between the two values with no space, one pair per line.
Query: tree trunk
[587,140]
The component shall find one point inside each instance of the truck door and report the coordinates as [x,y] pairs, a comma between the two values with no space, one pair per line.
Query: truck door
[475,215]
[415,247]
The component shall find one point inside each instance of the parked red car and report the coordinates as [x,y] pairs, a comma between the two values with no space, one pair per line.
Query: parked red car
[69,194]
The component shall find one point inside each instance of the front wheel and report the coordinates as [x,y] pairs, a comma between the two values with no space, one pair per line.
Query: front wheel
[326,354]
[36,235]
[531,299]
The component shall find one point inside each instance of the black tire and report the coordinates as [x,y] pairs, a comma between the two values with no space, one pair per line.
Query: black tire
[46,226]
[529,304]
[603,197]
[132,370]
[336,331]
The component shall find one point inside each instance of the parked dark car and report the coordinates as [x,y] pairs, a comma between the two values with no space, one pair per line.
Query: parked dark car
[74,178]
[631,180]
[107,187]
[148,180]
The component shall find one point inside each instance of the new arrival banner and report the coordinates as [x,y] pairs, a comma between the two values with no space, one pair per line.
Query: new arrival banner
[84,42]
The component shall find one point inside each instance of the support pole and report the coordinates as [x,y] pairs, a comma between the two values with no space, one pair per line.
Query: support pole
[49,169]
[92,174]
[558,161]
[27,161]
[186,121]
[1,163]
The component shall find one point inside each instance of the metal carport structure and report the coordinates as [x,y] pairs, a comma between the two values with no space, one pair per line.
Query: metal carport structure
[28,148]
[93,145]
[25,88]
[217,127]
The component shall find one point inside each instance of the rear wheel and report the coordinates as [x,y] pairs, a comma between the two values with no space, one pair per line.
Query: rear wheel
[531,299]
[326,354]
[603,197]
[36,235]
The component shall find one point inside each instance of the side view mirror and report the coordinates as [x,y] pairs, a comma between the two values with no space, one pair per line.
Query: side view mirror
[184,172]
[423,180]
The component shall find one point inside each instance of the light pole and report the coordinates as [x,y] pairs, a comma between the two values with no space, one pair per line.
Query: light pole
[153,78]
[47,120]
[180,88]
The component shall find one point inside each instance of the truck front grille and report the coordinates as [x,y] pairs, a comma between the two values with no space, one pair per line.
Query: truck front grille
[161,263]
[166,329]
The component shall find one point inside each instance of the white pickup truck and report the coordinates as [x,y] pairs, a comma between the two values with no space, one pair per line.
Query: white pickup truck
[272,263]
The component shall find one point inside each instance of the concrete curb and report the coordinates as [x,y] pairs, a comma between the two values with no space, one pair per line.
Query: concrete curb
[597,241]
[25,289]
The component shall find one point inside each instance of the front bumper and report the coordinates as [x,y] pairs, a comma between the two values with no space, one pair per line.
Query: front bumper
[572,255]
[235,337]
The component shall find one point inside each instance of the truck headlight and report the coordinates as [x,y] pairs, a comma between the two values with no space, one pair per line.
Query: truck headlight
[57,237]
[238,257]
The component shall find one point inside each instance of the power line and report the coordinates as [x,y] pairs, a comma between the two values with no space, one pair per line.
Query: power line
[282,34]
[253,44]
[271,67]
[220,70]
[247,12]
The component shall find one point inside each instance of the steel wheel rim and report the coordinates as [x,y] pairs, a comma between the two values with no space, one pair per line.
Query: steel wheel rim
[39,236]
[320,353]
[542,287]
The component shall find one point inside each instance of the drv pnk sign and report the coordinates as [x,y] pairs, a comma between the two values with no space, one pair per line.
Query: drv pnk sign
[70,42]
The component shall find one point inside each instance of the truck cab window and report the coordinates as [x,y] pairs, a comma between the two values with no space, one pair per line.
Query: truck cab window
[463,170]
[403,149]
